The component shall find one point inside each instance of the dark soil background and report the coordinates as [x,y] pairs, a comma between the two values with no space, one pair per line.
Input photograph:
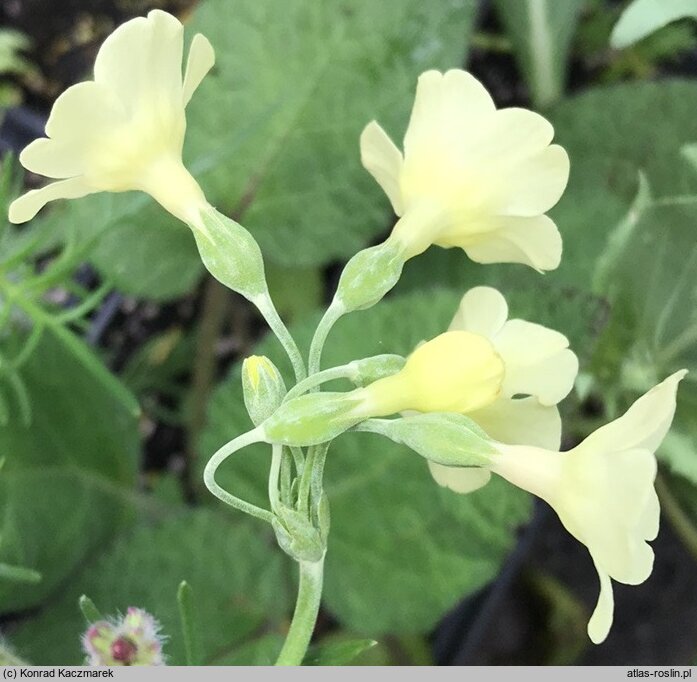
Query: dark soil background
[537,610]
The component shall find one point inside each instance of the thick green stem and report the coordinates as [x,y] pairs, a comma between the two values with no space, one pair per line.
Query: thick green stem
[305,616]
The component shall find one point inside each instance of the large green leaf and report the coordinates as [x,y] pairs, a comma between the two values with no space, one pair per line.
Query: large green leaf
[644,124]
[654,331]
[238,577]
[142,249]
[541,32]
[66,486]
[402,550]
[274,129]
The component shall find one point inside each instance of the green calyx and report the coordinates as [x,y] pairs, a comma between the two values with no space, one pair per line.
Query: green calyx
[297,535]
[368,370]
[311,419]
[230,253]
[444,438]
[368,276]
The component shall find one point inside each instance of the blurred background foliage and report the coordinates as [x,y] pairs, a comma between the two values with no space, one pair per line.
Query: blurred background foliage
[120,360]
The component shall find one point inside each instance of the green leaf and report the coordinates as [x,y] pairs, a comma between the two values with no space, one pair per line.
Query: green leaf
[18,574]
[337,653]
[238,576]
[402,550]
[541,33]
[654,330]
[643,124]
[189,623]
[89,610]
[139,247]
[66,487]
[644,17]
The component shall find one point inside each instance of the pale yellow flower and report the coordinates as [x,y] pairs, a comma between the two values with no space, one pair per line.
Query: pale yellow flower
[124,130]
[537,363]
[454,372]
[603,491]
[471,176]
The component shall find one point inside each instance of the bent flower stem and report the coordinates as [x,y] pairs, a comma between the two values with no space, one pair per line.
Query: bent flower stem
[253,436]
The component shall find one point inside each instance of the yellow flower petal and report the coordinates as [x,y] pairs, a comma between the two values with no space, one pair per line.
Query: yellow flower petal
[601,621]
[141,62]
[650,519]
[533,241]
[381,158]
[85,111]
[28,205]
[534,185]
[510,136]
[537,361]
[482,310]
[52,158]
[461,480]
[447,107]
[200,61]
[645,424]
[523,421]
[602,500]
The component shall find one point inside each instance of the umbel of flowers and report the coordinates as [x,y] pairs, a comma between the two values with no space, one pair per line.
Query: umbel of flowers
[478,399]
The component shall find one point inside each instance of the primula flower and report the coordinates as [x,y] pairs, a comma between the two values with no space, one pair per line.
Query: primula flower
[537,363]
[124,130]
[471,176]
[603,491]
[133,639]
[455,372]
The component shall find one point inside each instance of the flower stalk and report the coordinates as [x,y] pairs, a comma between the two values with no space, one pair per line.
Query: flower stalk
[305,614]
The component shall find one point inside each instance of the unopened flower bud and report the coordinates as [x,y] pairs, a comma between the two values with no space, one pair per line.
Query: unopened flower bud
[263,387]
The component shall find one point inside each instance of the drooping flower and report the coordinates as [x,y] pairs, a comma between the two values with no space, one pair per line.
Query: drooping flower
[133,639]
[537,363]
[603,491]
[471,176]
[124,130]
